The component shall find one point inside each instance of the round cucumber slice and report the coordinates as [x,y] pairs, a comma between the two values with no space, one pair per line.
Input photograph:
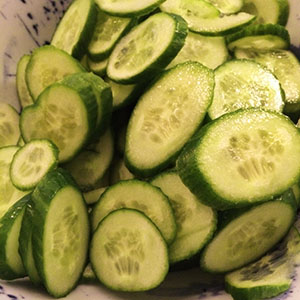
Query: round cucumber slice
[240,158]
[228,6]
[128,252]
[244,84]
[147,48]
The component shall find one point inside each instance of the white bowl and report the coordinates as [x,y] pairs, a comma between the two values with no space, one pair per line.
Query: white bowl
[26,24]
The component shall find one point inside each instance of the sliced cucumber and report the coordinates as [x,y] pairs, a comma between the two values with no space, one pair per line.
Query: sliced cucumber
[90,165]
[228,6]
[31,162]
[22,89]
[11,266]
[47,65]
[138,195]
[108,30]
[147,48]
[119,171]
[244,84]
[238,159]
[9,125]
[285,66]
[195,221]
[65,113]
[128,252]
[213,51]
[166,116]
[268,11]
[91,197]
[128,8]
[60,235]
[75,29]
[248,234]
[98,68]
[259,37]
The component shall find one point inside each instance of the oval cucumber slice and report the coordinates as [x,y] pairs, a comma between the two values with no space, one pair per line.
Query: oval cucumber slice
[141,196]
[147,48]
[238,159]
[128,245]
[166,116]
[244,84]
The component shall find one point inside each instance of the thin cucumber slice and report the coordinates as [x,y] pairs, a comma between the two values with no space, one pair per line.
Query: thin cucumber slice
[213,51]
[99,68]
[119,171]
[31,162]
[268,11]
[11,266]
[9,194]
[9,125]
[60,235]
[69,123]
[25,244]
[22,89]
[75,29]
[238,159]
[228,6]
[108,30]
[147,48]
[244,84]
[91,197]
[195,221]
[90,165]
[138,195]
[249,234]
[285,66]
[267,277]
[162,122]
[128,8]
[203,17]
[128,245]
[48,65]
[259,37]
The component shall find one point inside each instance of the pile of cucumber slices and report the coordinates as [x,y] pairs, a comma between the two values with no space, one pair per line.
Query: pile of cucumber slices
[155,135]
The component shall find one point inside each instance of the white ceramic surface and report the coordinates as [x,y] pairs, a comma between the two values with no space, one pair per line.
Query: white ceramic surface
[26,24]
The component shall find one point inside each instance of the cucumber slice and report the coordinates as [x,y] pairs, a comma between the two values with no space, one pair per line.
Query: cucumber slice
[259,37]
[60,235]
[213,51]
[244,84]
[238,159]
[75,29]
[48,65]
[22,89]
[248,234]
[32,162]
[91,197]
[141,196]
[90,165]
[69,123]
[11,266]
[195,221]
[147,48]
[9,125]
[128,252]
[228,6]
[285,66]
[166,116]
[107,32]
[268,11]
[203,17]
[119,171]
[128,8]
[269,276]
[99,68]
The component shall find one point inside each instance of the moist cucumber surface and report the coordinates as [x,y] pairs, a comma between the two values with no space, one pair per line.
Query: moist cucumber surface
[228,6]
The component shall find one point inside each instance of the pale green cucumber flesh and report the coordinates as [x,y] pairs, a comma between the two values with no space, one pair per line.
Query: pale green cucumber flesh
[99,68]
[119,171]
[244,84]
[128,252]
[228,6]
[141,196]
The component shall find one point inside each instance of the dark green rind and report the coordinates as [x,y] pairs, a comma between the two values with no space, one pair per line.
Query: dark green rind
[42,196]
[195,179]
[24,240]
[6,223]
[284,8]
[260,30]
[164,59]
[80,47]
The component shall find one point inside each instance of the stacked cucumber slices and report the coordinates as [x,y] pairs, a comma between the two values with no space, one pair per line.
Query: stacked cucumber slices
[154,135]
